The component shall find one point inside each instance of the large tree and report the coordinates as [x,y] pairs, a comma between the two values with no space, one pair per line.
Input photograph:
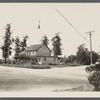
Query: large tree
[24,43]
[56,45]
[45,40]
[70,59]
[83,55]
[6,47]
[17,46]
[95,57]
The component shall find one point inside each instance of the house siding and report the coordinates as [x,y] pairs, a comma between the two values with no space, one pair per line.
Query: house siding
[48,60]
[51,60]
[43,51]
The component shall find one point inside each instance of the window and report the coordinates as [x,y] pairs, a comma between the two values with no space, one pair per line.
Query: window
[34,52]
[45,58]
[39,58]
[31,53]
[26,53]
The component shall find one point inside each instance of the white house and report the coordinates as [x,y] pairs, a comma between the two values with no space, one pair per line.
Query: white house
[42,53]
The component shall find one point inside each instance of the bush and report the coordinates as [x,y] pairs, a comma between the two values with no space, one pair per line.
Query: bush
[13,62]
[1,61]
[97,67]
[41,67]
[94,79]
[36,66]
[50,64]
[32,62]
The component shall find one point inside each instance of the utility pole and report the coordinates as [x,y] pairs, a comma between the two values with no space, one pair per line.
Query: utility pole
[90,35]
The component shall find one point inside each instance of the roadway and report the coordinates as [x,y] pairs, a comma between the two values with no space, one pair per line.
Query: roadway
[37,80]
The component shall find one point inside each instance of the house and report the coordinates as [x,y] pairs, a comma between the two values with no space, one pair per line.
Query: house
[41,52]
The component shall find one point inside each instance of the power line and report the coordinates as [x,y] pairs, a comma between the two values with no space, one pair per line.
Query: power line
[69,22]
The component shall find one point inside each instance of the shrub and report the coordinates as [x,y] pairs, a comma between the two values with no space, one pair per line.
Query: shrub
[41,67]
[32,62]
[94,79]
[97,66]
[50,64]
[13,62]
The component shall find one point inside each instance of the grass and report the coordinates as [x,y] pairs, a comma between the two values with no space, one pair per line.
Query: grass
[28,66]
[32,66]
[73,64]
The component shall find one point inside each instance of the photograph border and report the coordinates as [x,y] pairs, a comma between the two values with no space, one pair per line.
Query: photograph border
[50,1]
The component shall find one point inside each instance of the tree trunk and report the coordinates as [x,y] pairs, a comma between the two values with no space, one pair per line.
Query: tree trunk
[54,60]
[5,59]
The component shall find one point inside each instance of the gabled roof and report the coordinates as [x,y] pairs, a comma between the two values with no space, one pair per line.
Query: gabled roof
[34,47]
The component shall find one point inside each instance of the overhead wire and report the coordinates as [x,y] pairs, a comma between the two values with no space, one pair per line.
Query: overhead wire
[70,23]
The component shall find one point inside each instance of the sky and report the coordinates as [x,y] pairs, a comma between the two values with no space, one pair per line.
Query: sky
[24,19]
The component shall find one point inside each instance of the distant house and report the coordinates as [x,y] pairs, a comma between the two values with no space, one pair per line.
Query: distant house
[41,52]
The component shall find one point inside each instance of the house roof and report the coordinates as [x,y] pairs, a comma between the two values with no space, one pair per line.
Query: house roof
[34,47]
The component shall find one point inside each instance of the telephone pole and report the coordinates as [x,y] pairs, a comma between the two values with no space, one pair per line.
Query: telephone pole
[90,35]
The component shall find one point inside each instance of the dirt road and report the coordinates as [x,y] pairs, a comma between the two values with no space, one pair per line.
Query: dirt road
[24,79]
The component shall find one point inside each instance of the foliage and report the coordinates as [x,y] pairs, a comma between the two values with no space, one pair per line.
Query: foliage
[17,46]
[94,76]
[6,47]
[56,45]
[28,65]
[95,57]
[23,43]
[83,55]
[45,40]
[70,59]
[34,60]
[94,79]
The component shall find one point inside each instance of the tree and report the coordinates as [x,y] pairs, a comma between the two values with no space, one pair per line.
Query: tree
[17,46]
[56,45]
[83,55]
[23,43]
[6,47]
[45,40]
[95,56]
[70,59]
